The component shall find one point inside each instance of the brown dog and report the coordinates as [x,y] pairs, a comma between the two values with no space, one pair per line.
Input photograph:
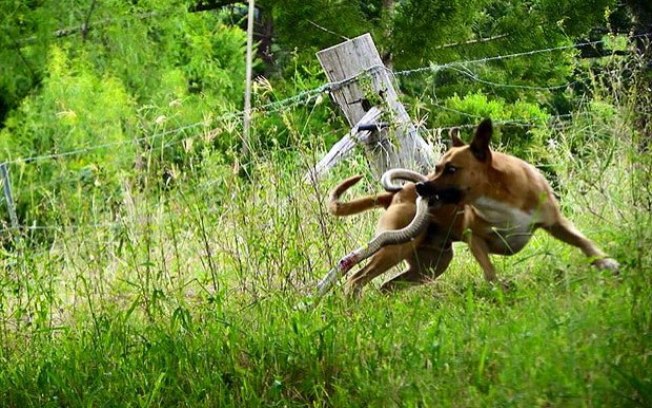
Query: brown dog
[492,201]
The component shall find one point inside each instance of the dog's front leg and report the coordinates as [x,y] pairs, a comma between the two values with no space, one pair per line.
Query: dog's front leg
[565,231]
[480,251]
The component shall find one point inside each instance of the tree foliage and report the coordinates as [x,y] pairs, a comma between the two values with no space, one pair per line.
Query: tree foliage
[136,72]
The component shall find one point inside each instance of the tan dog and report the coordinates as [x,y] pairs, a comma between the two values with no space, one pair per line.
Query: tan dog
[492,201]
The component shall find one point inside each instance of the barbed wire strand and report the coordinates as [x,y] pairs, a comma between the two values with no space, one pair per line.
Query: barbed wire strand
[473,76]
[461,63]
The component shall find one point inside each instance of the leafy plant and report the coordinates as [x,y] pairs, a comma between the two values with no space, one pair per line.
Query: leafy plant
[75,111]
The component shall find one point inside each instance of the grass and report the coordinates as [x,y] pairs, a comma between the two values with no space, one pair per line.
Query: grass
[189,300]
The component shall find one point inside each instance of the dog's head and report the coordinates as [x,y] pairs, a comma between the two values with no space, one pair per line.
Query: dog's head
[461,170]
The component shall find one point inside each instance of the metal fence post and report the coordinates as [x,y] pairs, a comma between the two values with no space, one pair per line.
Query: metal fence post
[6,186]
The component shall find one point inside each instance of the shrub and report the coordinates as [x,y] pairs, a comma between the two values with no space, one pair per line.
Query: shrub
[75,110]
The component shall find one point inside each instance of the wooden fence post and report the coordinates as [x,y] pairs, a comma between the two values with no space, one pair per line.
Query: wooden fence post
[361,82]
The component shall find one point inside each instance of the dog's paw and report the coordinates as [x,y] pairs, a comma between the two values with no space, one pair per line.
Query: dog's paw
[503,285]
[607,263]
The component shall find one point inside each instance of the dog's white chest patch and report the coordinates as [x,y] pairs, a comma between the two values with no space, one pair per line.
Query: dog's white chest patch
[503,216]
[511,228]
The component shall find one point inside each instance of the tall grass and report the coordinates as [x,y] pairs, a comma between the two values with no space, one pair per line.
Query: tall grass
[185,297]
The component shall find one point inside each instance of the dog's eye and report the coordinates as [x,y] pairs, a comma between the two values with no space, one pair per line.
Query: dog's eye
[450,169]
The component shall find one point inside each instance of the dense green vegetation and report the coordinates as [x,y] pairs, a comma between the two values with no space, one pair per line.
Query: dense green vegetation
[157,266]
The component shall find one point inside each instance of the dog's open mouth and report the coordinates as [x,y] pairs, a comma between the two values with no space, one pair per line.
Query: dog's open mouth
[439,196]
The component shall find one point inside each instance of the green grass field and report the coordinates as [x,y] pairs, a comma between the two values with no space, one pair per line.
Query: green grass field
[189,300]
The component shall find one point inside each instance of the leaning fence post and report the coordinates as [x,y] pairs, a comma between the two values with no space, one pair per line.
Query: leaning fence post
[360,81]
[6,186]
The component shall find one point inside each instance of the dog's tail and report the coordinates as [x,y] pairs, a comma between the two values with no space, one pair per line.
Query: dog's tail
[358,205]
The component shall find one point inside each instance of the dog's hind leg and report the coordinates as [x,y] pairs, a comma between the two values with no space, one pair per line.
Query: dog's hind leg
[565,231]
[383,260]
[427,264]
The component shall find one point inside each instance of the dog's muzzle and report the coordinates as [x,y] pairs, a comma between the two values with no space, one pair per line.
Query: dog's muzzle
[439,196]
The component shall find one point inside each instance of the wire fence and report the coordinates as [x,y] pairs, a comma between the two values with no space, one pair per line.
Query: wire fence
[304,97]
[150,213]
[470,74]
[465,63]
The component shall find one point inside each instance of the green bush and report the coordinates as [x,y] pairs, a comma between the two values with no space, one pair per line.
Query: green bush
[512,119]
[134,101]
[75,110]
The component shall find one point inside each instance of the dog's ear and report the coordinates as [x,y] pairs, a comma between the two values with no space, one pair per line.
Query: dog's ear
[481,139]
[455,141]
